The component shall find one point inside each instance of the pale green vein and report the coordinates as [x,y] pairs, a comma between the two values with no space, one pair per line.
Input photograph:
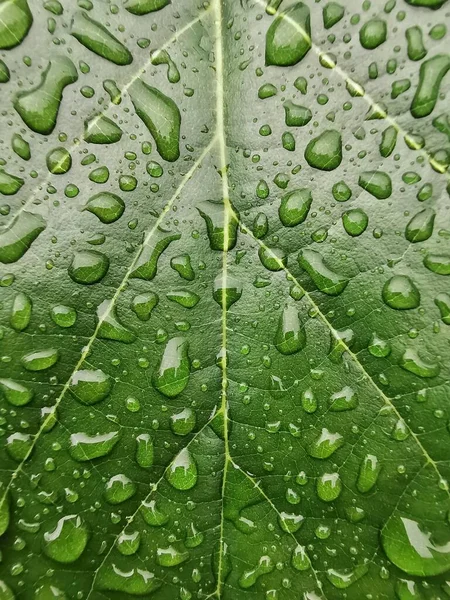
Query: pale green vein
[223,170]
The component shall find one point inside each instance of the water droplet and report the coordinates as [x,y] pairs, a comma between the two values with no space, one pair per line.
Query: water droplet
[161,116]
[249,578]
[172,375]
[128,543]
[59,161]
[18,237]
[143,304]
[412,362]
[438,263]
[21,312]
[344,579]
[290,336]
[182,473]
[369,471]
[40,360]
[85,447]
[90,386]
[373,33]
[411,548]
[98,39]
[88,267]
[332,13]
[325,279]
[110,327]
[66,543]
[221,220]
[325,151]
[442,301]
[15,393]
[171,557]
[15,23]
[147,264]
[143,7]
[144,450]
[295,115]
[183,423]
[294,207]
[273,259]
[420,227]
[288,38]
[162,57]
[431,73]
[290,522]
[100,130]
[119,489]
[345,399]
[39,106]
[401,293]
[326,444]
[329,487]
[226,292]
[134,581]
[377,183]
[379,347]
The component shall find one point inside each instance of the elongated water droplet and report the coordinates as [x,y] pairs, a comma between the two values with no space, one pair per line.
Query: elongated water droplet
[85,447]
[409,546]
[345,399]
[221,223]
[98,39]
[21,312]
[143,7]
[442,301]
[172,375]
[290,336]
[16,20]
[40,360]
[344,579]
[162,57]
[369,471]
[182,473]
[9,184]
[160,115]
[39,106]
[249,578]
[412,362]
[133,581]
[431,73]
[171,556]
[147,264]
[326,280]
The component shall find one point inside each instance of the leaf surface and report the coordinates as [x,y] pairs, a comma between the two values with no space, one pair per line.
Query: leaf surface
[224,241]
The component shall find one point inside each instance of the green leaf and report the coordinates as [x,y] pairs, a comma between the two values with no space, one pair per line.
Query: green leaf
[225,304]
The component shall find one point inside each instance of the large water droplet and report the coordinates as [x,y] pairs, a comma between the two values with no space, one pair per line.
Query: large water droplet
[40,360]
[88,267]
[288,39]
[401,293]
[67,541]
[39,106]
[18,237]
[146,265]
[97,38]
[172,375]
[90,386]
[410,547]
[326,280]
[182,473]
[85,447]
[290,336]
[325,151]
[161,117]
[15,22]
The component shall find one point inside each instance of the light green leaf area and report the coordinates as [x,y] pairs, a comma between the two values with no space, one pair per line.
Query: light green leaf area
[225,300]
